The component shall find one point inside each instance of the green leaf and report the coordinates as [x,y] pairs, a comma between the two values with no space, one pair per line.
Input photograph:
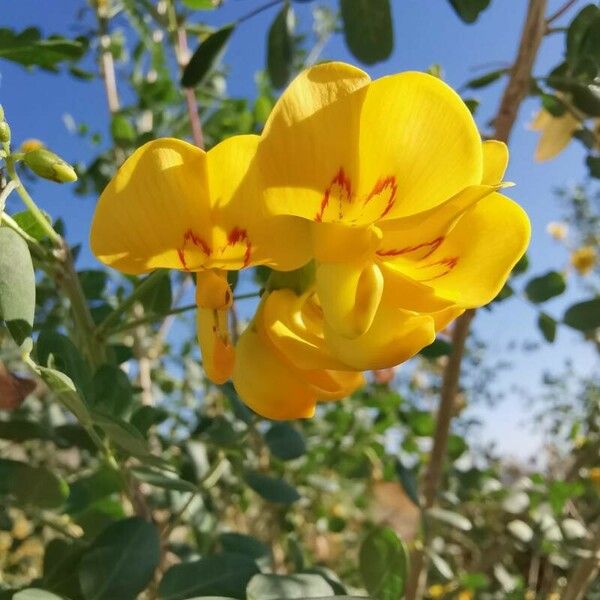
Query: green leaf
[485,80]
[221,574]
[521,266]
[61,559]
[36,594]
[383,563]
[547,325]
[35,486]
[409,482]
[578,32]
[280,47]
[593,165]
[93,283]
[122,131]
[583,316]
[282,587]
[206,56]
[451,518]
[163,479]
[28,49]
[121,561]
[238,543]
[158,298]
[66,357]
[421,422]
[123,434]
[29,224]
[20,430]
[285,442]
[468,10]
[199,4]
[17,285]
[368,29]
[62,385]
[540,289]
[272,489]
[111,391]
[439,347]
[90,488]
[553,105]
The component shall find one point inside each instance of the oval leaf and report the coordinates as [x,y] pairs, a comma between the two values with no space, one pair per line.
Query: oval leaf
[206,56]
[368,29]
[542,288]
[272,489]
[17,285]
[285,442]
[383,564]
[220,575]
[121,561]
[280,47]
[584,316]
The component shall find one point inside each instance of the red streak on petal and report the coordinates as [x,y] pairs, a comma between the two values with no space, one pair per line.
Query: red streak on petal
[239,235]
[181,255]
[381,185]
[344,185]
[449,263]
[191,237]
[433,245]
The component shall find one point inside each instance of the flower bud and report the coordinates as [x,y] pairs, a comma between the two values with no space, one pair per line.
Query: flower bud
[4,132]
[48,165]
[1,113]
[31,144]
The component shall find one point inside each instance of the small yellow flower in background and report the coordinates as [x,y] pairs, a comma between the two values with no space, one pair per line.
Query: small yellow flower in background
[557,230]
[464,595]
[584,259]
[556,133]
[436,591]
[595,476]
[31,144]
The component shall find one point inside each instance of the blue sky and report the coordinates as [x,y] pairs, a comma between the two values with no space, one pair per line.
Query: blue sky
[426,32]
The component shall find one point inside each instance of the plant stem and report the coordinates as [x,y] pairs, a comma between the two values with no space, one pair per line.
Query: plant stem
[585,571]
[10,186]
[31,205]
[257,11]
[174,311]
[128,303]
[560,12]
[514,93]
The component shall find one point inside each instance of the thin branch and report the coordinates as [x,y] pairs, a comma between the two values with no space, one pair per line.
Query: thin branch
[258,10]
[560,12]
[585,571]
[512,98]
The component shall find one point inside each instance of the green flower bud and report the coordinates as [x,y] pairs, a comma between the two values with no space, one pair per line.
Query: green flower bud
[48,165]
[4,132]
[1,113]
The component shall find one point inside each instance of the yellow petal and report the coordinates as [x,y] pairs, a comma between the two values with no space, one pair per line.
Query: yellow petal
[155,211]
[309,153]
[243,232]
[294,325]
[334,385]
[394,337]
[212,289]
[266,383]
[349,294]
[557,133]
[495,161]
[475,259]
[338,242]
[415,129]
[218,354]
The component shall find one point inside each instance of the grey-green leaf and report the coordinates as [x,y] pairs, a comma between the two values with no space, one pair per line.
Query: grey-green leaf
[280,47]
[272,489]
[285,442]
[121,561]
[17,285]
[584,316]
[542,288]
[468,10]
[286,587]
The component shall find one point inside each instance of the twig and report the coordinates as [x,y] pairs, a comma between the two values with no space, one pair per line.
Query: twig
[514,94]
[560,12]
[585,571]
[257,11]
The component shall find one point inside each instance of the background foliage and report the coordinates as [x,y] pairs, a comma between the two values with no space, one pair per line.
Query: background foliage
[124,473]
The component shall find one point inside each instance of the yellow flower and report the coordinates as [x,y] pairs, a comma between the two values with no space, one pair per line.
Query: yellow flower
[584,259]
[595,476]
[174,206]
[399,196]
[557,230]
[436,591]
[283,365]
[465,595]
[556,133]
